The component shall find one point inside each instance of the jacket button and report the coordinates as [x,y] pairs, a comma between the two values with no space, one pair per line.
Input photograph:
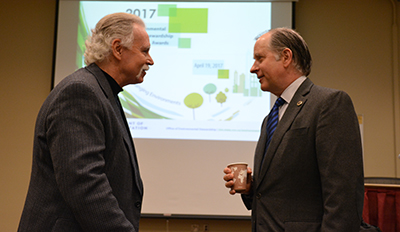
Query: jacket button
[138,205]
[258,196]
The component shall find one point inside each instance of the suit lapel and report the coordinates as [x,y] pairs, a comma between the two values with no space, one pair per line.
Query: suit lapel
[296,104]
[260,149]
[105,86]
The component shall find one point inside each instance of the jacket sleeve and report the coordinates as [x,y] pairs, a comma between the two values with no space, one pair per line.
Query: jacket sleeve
[248,200]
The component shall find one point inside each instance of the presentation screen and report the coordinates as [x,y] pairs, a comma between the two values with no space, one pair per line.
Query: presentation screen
[199,107]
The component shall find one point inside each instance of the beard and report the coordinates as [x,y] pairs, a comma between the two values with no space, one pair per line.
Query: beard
[144,68]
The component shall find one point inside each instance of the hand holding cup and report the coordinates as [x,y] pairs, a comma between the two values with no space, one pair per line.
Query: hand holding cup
[236,177]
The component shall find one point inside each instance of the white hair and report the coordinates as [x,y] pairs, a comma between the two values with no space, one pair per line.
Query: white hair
[111,27]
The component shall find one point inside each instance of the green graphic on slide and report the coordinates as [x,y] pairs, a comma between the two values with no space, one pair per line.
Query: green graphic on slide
[188,20]
[223,73]
[193,101]
[254,89]
[239,86]
[210,89]
[83,33]
[163,9]
[129,103]
[221,97]
[184,20]
[184,42]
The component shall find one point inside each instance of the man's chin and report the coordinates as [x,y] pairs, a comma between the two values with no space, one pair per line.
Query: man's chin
[139,79]
[264,88]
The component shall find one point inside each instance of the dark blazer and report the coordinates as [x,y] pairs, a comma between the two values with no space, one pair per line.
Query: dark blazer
[312,175]
[85,175]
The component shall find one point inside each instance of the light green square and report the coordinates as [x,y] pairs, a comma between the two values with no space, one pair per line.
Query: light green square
[184,43]
[188,20]
[164,9]
[223,73]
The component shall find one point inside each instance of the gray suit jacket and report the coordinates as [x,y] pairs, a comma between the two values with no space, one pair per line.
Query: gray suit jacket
[312,175]
[85,175]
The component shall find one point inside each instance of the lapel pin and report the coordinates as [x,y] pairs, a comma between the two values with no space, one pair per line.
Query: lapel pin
[299,103]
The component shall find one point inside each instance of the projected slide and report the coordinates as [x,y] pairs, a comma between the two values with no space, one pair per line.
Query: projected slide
[200,86]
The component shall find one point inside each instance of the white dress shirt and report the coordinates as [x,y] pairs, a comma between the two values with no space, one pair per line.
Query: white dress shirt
[288,94]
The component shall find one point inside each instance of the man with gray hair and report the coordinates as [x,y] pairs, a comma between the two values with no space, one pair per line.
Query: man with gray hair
[85,174]
[308,169]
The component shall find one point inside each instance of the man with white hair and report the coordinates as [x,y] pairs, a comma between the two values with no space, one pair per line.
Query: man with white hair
[85,175]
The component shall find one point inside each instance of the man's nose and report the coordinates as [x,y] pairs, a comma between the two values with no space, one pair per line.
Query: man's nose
[253,69]
[150,61]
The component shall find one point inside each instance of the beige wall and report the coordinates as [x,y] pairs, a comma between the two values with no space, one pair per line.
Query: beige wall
[27,34]
[351,44]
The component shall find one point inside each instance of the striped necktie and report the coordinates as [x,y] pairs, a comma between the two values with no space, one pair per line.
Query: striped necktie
[273,119]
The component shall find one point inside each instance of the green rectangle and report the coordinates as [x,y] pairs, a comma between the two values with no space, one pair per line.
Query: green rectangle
[246,93]
[223,73]
[188,20]
[184,43]
[164,9]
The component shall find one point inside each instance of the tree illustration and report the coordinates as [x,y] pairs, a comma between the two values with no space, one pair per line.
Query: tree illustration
[221,97]
[210,89]
[193,101]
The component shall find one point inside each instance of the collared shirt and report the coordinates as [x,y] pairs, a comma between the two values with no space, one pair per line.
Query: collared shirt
[288,94]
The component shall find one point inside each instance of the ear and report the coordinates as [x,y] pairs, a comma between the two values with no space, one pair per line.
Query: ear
[287,57]
[116,48]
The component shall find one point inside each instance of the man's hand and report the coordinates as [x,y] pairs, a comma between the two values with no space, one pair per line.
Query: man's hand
[229,180]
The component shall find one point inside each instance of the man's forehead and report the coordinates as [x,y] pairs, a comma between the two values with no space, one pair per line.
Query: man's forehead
[260,46]
[263,40]
[141,37]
